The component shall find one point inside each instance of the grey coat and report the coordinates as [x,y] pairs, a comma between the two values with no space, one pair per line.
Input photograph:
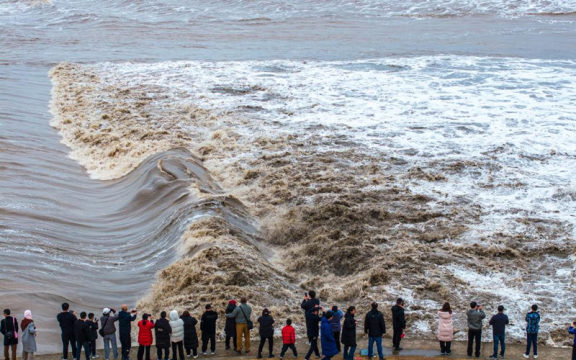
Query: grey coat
[475,318]
[28,338]
[107,323]
[239,316]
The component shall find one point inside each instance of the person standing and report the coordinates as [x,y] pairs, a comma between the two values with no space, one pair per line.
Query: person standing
[312,331]
[498,323]
[266,332]
[328,342]
[349,333]
[125,319]
[162,332]
[532,328]
[66,320]
[230,327]
[475,315]
[336,324]
[309,302]
[9,328]
[82,335]
[190,335]
[208,328]
[28,336]
[177,335]
[93,325]
[145,338]
[108,332]
[288,339]
[375,328]
[445,329]
[572,330]
[242,315]
[398,323]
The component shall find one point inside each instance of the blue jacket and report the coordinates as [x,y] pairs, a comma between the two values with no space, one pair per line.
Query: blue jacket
[327,339]
[572,330]
[335,322]
[533,322]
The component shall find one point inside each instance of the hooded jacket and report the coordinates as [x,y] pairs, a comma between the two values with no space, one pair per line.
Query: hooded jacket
[327,339]
[475,318]
[93,329]
[177,326]
[208,322]
[445,326]
[162,332]
[266,326]
[374,324]
[349,330]
[288,335]
[398,318]
[335,322]
[190,335]
[230,327]
[145,332]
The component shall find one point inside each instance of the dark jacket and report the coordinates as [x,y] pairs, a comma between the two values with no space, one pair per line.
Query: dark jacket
[125,322]
[499,322]
[190,335]
[349,330]
[312,327]
[162,331]
[9,325]
[398,318]
[93,326]
[266,326]
[374,324]
[82,331]
[208,322]
[230,327]
[309,304]
[67,319]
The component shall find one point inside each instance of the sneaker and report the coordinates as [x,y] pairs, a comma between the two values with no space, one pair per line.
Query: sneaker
[535,356]
[212,353]
[526,356]
[271,356]
[195,356]
[204,353]
[493,357]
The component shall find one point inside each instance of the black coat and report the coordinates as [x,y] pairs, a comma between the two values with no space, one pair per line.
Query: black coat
[82,331]
[93,330]
[398,318]
[309,304]
[190,335]
[349,330]
[162,331]
[230,327]
[208,322]
[312,325]
[9,325]
[374,324]
[266,326]
[67,319]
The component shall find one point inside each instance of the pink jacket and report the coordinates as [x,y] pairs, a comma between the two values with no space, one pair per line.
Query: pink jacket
[445,326]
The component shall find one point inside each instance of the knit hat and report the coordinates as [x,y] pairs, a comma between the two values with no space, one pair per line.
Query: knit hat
[232,302]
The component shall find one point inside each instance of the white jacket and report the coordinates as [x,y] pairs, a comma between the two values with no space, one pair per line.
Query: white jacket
[177,327]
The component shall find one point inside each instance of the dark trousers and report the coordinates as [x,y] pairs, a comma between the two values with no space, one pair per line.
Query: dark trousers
[396,338]
[126,343]
[180,347]
[532,339]
[205,339]
[143,349]
[68,339]
[79,346]
[337,338]
[233,338]
[93,347]
[191,350]
[285,348]
[163,350]
[7,349]
[270,344]
[445,347]
[499,339]
[574,352]
[313,347]
[474,336]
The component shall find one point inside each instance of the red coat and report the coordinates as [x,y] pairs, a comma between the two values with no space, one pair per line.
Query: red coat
[145,332]
[288,335]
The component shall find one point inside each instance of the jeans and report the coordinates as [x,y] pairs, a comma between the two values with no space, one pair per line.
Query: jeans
[499,339]
[208,337]
[126,343]
[143,349]
[378,341]
[313,347]
[163,349]
[474,335]
[79,346]
[7,348]
[178,346]
[397,337]
[285,347]
[270,345]
[445,347]
[68,339]
[110,339]
[532,339]
[242,330]
[349,352]
[337,338]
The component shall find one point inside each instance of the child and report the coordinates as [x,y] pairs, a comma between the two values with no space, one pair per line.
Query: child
[288,339]
[93,323]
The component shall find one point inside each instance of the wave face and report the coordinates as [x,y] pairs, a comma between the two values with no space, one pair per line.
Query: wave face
[425,177]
